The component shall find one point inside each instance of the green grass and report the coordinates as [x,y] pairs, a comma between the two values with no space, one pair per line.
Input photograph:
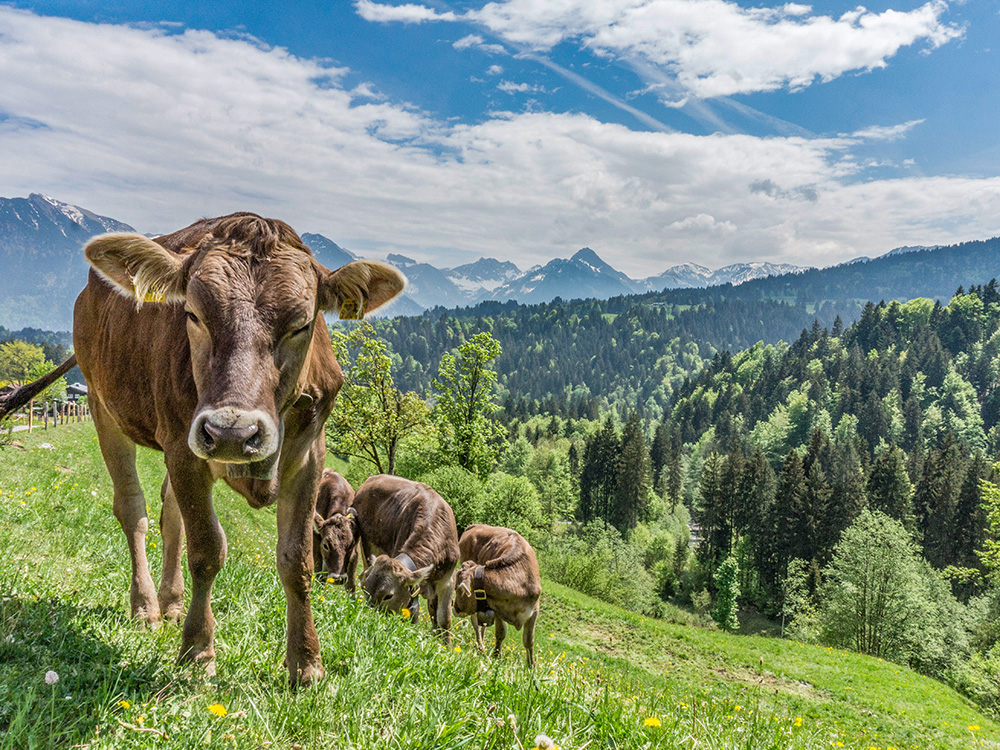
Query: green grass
[601,671]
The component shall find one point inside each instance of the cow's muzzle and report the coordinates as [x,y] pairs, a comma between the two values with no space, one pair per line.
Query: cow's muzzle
[231,435]
[334,578]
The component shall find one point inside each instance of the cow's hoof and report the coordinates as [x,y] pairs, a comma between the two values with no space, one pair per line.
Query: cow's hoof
[306,676]
[203,661]
[147,616]
[173,613]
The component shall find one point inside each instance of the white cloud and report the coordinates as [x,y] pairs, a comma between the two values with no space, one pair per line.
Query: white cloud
[494,70]
[475,41]
[715,47]
[366,90]
[408,13]
[158,128]
[886,133]
[510,87]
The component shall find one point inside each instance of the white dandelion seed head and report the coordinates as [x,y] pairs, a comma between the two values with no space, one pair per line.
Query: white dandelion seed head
[544,742]
[51,678]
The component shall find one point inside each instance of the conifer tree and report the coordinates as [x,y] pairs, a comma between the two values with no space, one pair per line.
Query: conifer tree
[630,501]
[889,489]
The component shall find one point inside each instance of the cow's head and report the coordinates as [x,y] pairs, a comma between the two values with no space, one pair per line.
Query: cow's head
[465,601]
[253,296]
[338,537]
[390,585]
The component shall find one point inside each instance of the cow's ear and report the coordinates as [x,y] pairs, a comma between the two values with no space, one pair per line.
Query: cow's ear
[371,560]
[418,575]
[464,586]
[138,267]
[317,523]
[358,287]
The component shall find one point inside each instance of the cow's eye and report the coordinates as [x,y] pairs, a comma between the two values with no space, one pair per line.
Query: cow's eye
[192,317]
[326,547]
[387,597]
[299,331]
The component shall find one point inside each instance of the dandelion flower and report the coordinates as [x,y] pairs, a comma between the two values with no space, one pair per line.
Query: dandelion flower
[544,742]
[458,649]
[798,721]
[972,728]
[124,704]
[51,678]
[218,709]
[404,612]
[652,721]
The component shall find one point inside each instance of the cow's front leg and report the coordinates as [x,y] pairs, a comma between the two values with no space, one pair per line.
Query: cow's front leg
[296,504]
[501,633]
[478,629]
[191,480]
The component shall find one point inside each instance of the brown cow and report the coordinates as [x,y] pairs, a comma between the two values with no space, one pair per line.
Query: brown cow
[498,582]
[336,532]
[412,531]
[232,376]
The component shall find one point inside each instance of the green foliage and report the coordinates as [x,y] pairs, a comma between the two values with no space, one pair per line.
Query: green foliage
[873,596]
[372,418]
[798,609]
[727,584]
[597,561]
[990,553]
[513,502]
[465,387]
[19,361]
[463,491]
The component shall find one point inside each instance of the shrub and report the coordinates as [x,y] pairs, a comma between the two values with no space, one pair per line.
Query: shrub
[513,502]
[464,492]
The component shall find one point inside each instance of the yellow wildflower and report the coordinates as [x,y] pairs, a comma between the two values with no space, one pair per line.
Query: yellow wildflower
[124,704]
[973,728]
[218,709]
[652,721]
[458,649]
[735,708]
[798,721]
[404,612]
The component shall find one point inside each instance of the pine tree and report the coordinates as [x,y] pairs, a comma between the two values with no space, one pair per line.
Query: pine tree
[727,582]
[598,473]
[630,501]
[936,498]
[889,489]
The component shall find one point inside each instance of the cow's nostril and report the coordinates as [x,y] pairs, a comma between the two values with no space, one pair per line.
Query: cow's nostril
[207,437]
[252,444]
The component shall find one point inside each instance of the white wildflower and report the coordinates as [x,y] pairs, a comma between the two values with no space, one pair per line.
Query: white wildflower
[51,678]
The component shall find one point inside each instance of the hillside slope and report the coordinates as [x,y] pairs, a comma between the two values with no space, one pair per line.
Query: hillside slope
[602,672]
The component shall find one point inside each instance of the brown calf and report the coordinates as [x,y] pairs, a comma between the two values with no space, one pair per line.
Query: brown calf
[336,533]
[411,545]
[230,373]
[498,582]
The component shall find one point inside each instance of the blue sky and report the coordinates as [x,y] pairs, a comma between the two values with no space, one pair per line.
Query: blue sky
[655,131]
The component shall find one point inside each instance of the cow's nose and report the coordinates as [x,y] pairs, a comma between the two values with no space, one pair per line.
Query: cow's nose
[226,441]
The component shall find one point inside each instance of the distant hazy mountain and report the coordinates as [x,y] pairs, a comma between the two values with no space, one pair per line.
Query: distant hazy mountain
[684,276]
[328,252]
[41,257]
[427,285]
[911,249]
[584,275]
[485,275]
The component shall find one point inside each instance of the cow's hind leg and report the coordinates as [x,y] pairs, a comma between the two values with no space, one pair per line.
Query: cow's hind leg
[191,481]
[171,593]
[443,592]
[528,638]
[129,508]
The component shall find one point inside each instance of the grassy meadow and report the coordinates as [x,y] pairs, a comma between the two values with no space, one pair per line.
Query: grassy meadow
[605,678]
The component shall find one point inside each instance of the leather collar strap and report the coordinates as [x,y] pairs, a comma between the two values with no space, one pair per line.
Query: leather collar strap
[479,589]
[407,561]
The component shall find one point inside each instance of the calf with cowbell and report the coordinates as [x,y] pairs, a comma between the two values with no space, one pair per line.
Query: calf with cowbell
[336,533]
[498,582]
[411,547]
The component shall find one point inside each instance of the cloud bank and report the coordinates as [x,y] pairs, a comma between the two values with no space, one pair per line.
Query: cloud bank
[713,47]
[158,127]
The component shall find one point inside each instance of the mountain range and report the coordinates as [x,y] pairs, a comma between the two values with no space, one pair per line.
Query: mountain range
[40,241]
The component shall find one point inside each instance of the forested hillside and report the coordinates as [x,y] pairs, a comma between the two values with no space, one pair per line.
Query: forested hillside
[580,357]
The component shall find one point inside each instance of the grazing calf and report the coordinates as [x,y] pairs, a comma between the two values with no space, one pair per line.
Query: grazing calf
[336,533]
[411,546]
[210,344]
[498,582]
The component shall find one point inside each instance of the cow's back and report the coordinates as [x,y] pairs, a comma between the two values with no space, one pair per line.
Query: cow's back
[335,494]
[510,562]
[398,515]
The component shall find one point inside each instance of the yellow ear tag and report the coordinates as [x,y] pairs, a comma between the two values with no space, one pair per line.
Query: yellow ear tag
[349,310]
[153,297]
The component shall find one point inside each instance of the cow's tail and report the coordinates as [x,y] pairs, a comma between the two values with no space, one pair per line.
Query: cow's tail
[22,395]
